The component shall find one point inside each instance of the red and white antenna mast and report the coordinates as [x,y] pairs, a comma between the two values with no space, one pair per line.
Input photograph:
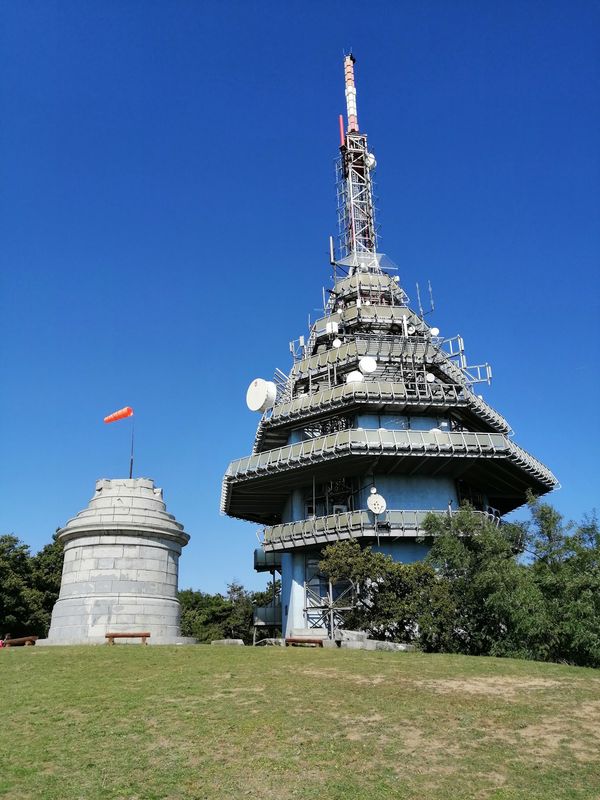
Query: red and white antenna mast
[349,62]
[356,215]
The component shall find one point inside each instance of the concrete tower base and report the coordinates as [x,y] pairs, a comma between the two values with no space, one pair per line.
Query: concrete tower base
[121,568]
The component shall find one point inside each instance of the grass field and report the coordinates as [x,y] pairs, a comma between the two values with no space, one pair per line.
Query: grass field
[201,722]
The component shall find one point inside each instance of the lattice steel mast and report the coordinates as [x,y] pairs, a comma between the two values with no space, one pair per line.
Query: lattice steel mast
[356,213]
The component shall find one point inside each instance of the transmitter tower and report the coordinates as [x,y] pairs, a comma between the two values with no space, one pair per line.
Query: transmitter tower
[376,424]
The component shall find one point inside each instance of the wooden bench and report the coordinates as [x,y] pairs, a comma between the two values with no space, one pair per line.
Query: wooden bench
[112,636]
[296,640]
[25,641]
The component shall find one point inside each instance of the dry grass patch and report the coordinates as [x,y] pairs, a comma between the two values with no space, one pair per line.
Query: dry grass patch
[162,723]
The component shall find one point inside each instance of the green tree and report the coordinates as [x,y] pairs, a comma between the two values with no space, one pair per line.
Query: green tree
[214,616]
[203,616]
[21,605]
[499,608]
[394,601]
[566,570]
[46,574]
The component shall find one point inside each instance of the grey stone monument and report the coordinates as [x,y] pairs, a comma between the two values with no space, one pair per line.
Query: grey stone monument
[121,567]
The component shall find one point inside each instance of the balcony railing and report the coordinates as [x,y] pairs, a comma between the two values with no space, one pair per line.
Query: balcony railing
[390,443]
[350,525]
[435,395]
[268,615]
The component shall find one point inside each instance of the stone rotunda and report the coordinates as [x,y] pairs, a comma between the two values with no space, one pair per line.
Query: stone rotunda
[121,567]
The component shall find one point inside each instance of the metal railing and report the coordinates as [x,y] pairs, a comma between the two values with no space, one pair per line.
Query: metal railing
[416,346]
[267,615]
[386,442]
[434,395]
[352,524]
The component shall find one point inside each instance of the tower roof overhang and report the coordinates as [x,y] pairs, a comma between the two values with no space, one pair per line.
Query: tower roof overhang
[256,487]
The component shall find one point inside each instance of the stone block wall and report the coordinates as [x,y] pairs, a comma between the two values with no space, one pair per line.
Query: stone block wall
[121,567]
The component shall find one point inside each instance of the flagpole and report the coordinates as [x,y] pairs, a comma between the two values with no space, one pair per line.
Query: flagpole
[131,456]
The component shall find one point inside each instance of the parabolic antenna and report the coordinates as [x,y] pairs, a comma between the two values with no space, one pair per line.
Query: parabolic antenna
[430,377]
[354,377]
[367,365]
[337,343]
[434,331]
[261,395]
[411,329]
[376,503]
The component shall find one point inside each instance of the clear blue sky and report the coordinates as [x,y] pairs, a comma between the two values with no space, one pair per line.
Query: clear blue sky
[167,194]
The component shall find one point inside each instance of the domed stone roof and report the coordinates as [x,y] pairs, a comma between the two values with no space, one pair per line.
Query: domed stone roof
[125,505]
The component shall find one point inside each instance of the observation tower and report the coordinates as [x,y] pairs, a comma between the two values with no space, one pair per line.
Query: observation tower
[376,424]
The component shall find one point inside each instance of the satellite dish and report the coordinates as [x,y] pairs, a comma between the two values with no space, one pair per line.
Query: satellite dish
[261,395]
[370,161]
[354,377]
[430,377]
[337,343]
[367,365]
[411,329]
[376,503]
[434,331]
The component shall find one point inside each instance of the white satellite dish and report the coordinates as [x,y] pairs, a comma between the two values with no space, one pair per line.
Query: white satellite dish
[430,377]
[434,331]
[337,343]
[261,395]
[367,365]
[376,503]
[354,377]
[370,160]
[411,329]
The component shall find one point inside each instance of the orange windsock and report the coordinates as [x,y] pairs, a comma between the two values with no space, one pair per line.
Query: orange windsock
[121,414]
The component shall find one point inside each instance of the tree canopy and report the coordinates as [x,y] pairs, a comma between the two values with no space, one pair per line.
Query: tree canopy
[29,586]
[529,590]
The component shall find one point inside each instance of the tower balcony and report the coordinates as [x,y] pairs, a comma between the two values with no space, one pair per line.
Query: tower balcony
[320,531]
[383,348]
[268,616]
[256,487]
[266,562]
[399,396]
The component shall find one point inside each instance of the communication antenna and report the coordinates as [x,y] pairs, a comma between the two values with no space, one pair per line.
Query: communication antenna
[261,395]
[422,313]
[419,302]
[431,296]
[356,211]
[377,504]
[354,377]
